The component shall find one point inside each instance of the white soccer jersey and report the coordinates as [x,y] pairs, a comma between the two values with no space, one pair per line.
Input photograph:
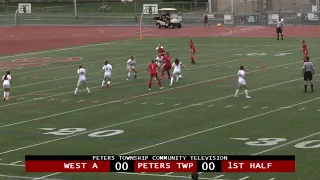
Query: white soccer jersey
[161,47]
[6,83]
[131,63]
[176,68]
[107,70]
[159,59]
[241,77]
[82,74]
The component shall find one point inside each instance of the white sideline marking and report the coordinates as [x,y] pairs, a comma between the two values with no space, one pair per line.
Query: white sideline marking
[301,109]
[272,179]
[15,162]
[264,107]
[65,100]
[50,100]
[211,105]
[219,176]
[228,106]
[244,178]
[80,101]
[177,104]
[318,110]
[146,94]
[127,103]
[14,165]
[169,173]
[49,175]
[144,103]
[95,102]
[22,177]
[159,104]
[285,144]
[246,107]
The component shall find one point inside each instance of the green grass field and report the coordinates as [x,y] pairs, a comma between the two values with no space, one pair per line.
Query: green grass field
[196,116]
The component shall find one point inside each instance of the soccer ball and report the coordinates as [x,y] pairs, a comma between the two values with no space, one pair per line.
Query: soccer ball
[180,76]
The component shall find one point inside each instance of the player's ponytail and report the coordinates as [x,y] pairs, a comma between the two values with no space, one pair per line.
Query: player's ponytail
[6,76]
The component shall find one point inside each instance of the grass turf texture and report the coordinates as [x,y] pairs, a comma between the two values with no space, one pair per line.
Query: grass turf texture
[196,116]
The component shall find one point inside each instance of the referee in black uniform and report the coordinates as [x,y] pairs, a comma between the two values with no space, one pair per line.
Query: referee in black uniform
[308,72]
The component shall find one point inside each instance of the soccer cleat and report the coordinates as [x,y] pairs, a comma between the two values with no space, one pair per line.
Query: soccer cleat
[89,94]
[170,84]
[149,89]
[248,97]
[127,79]
[102,87]
[161,87]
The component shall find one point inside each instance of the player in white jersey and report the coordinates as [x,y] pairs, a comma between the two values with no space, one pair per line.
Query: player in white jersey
[6,79]
[176,71]
[107,68]
[242,82]
[82,80]
[132,67]
[159,60]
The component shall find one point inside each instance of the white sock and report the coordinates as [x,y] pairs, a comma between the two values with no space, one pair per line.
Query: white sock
[236,94]
[75,91]
[109,82]
[8,94]
[88,90]
[246,92]
[129,74]
[172,80]
[4,94]
[103,83]
[177,78]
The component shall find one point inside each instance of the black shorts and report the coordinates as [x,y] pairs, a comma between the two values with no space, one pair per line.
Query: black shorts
[279,30]
[308,76]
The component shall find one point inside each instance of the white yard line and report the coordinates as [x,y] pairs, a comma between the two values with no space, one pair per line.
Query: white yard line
[264,107]
[15,162]
[228,106]
[244,178]
[219,176]
[246,107]
[43,177]
[21,177]
[125,122]
[169,173]
[127,103]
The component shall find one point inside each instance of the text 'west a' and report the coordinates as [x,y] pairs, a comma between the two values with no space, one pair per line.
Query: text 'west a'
[79,166]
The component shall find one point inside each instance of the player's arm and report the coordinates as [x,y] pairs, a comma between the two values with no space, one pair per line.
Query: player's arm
[313,69]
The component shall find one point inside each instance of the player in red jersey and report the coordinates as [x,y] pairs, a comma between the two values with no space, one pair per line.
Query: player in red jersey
[153,68]
[167,65]
[160,50]
[192,51]
[304,50]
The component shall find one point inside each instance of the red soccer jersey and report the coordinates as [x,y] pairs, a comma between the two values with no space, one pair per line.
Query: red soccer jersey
[304,49]
[153,68]
[167,61]
[191,45]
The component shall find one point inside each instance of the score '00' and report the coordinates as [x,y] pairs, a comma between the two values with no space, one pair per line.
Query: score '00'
[121,166]
[205,166]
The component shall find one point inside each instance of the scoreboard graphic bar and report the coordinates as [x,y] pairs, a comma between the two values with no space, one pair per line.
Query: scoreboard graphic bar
[159,163]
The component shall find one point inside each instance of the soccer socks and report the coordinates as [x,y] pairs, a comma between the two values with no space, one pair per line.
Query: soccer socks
[135,75]
[278,37]
[75,91]
[159,83]
[7,94]
[103,83]
[281,36]
[305,88]
[171,81]
[169,75]
[4,95]
[129,73]
[150,82]
[88,90]
[246,92]
[192,59]
[312,87]
[236,94]
[162,73]
[109,82]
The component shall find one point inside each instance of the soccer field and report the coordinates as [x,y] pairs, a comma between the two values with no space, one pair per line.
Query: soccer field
[196,116]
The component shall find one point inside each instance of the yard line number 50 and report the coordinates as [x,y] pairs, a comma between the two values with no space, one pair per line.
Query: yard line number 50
[71,131]
[275,141]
